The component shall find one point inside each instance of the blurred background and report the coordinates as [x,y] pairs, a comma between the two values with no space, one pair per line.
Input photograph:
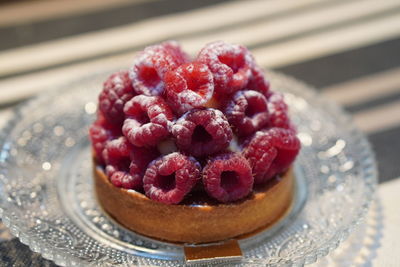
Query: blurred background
[348,50]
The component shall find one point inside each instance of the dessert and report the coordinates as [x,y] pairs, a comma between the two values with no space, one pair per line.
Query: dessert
[193,150]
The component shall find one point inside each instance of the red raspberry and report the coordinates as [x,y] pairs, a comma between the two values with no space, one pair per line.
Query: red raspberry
[150,66]
[169,178]
[99,133]
[271,152]
[247,111]
[147,120]
[230,65]
[126,164]
[189,86]
[278,111]
[202,132]
[257,81]
[117,158]
[117,149]
[140,159]
[228,177]
[117,90]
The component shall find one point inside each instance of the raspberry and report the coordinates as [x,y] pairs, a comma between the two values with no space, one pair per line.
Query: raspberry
[99,133]
[117,90]
[257,82]
[247,111]
[98,136]
[117,158]
[230,65]
[116,150]
[227,177]
[150,66]
[169,178]
[271,152]
[189,86]
[202,132]
[147,120]
[278,110]
[140,159]
[126,164]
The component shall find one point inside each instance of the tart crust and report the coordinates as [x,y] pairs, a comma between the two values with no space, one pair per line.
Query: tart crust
[196,220]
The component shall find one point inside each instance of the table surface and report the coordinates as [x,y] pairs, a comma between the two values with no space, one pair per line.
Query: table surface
[348,50]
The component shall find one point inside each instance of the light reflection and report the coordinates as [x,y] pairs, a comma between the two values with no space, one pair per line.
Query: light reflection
[90,108]
[46,166]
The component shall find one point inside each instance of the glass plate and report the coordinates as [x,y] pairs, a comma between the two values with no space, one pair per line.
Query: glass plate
[47,199]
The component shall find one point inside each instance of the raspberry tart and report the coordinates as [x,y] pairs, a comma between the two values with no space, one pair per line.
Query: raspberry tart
[193,150]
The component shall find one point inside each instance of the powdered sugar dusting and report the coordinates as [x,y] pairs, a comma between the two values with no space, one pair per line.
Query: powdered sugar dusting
[189,86]
[230,64]
[148,120]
